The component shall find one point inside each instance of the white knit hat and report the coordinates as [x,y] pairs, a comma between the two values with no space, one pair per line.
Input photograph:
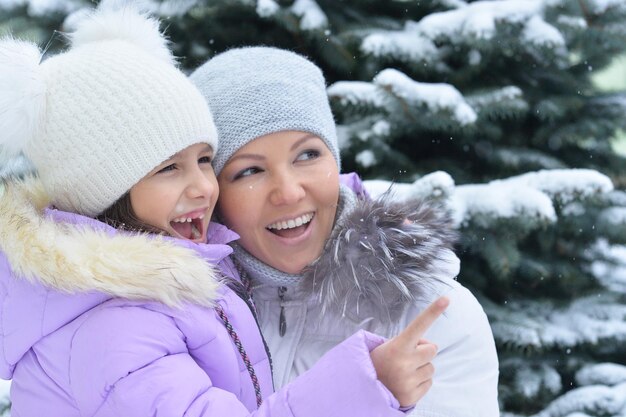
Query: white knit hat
[256,91]
[97,118]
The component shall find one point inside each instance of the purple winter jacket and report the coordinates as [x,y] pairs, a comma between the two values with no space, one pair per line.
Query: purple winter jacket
[99,323]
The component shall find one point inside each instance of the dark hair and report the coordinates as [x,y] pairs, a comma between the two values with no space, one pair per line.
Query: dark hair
[121,216]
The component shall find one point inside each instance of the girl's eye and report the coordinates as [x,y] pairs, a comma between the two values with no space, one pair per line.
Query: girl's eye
[308,155]
[167,168]
[205,160]
[247,172]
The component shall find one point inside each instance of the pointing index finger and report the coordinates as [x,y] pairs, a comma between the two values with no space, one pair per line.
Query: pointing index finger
[412,334]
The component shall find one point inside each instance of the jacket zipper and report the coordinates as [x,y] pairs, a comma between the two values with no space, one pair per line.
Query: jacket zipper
[282,321]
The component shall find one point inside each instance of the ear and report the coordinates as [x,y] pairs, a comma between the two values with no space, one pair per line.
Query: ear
[126,24]
[22,95]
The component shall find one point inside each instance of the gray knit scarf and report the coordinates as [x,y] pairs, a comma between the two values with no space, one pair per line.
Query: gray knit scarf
[261,273]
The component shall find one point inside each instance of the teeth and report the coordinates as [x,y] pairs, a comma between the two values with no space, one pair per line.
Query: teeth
[187,219]
[290,224]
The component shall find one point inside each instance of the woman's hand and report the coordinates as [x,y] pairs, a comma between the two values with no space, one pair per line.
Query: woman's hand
[403,363]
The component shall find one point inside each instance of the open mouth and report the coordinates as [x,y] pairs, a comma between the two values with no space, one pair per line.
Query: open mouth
[188,227]
[293,227]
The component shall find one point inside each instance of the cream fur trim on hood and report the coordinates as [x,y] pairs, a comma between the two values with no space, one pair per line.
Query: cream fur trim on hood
[75,258]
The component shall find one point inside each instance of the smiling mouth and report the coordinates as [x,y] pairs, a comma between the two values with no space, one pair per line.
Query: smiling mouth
[293,227]
[188,227]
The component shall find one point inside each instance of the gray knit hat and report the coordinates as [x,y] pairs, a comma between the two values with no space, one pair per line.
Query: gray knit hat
[256,91]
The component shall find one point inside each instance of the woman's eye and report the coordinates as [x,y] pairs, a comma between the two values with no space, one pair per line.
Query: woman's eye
[205,160]
[167,168]
[308,155]
[247,172]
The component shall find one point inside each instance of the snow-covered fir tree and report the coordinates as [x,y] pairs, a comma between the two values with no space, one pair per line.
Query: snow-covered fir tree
[488,107]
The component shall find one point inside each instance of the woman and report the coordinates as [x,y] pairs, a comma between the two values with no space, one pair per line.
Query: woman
[323,260]
[99,320]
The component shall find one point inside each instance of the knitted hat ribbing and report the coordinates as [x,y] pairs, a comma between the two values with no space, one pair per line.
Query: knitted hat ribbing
[256,91]
[104,113]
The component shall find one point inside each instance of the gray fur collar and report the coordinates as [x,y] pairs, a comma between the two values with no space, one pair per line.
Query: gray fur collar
[380,256]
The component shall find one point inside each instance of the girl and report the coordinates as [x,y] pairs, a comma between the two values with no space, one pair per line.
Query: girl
[99,320]
[323,260]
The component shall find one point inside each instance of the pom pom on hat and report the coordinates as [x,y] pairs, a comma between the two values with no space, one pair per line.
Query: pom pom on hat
[22,95]
[126,24]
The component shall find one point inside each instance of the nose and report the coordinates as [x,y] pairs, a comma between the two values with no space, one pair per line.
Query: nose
[201,183]
[287,189]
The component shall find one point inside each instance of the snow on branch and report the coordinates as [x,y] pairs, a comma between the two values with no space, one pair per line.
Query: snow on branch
[356,93]
[517,158]
[563,185]
[435,97]
[572,22]
[266,8]
[479,20]
[499,103]
[485,204]
[594,399]
[510,92]
[531,381]
[618,99]
[614,216]
[540,33]
[311,15]
[478,204]
[370,130]
[615,253]
[608,265]
[528,197]
[601,373]
[366,158]
[406,46]
[615,103]
[439,185]
[541,325]
[453,4]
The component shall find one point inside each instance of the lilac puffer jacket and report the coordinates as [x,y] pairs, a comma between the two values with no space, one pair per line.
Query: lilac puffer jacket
[99,323]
